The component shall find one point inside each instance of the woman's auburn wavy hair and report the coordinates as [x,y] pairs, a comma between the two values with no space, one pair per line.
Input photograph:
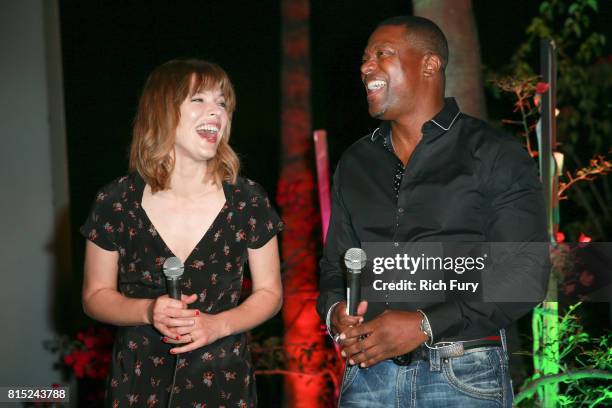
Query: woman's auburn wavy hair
[158,116]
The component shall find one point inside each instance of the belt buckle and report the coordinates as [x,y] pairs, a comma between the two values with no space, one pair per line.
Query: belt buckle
[449,349]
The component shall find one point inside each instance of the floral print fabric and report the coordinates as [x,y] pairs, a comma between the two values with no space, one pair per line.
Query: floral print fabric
[142,369]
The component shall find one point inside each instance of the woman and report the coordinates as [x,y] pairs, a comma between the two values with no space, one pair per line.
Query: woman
[184,199]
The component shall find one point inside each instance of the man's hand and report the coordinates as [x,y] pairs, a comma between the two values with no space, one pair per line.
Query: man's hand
[388,335]
[341,321]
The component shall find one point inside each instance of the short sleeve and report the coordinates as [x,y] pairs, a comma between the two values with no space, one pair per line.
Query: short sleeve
[263,220]
[102,224]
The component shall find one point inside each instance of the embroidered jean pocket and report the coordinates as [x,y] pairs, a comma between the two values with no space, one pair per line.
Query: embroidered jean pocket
[479,373]
[350,373]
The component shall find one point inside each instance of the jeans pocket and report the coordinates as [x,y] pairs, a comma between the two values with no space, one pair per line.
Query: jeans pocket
[350,373]
[478,373]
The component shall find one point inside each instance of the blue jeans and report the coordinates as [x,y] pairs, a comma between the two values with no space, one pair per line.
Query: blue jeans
[477,379]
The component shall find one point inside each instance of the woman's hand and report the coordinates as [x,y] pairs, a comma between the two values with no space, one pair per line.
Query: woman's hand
[169,315]
[263,303]
[207,328]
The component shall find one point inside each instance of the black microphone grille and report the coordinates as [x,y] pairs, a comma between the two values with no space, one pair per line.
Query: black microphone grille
[173,268]
[355,258]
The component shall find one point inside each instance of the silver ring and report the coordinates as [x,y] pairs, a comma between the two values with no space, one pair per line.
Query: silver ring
[337,338]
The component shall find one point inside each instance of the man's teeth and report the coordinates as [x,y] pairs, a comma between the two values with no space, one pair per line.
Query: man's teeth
[373,85]
[207,128]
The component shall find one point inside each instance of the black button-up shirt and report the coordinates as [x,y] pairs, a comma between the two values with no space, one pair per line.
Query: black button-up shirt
[465,182]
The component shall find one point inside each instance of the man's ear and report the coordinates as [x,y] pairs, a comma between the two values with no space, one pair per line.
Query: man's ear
[431,64]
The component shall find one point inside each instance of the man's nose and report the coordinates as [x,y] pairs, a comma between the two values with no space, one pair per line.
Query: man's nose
[368,66]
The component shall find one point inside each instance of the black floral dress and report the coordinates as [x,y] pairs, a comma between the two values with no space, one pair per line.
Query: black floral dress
[143,373]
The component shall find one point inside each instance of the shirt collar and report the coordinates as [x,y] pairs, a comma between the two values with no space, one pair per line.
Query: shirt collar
[443,121]
[436,126]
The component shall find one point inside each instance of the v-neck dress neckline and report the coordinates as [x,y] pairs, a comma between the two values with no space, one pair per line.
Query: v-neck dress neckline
[216,220]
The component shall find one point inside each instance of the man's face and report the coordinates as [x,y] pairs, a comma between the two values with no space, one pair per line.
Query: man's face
[391,72]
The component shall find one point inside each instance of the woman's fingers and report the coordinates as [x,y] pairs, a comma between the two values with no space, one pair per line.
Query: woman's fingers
[177,340]
[184,349]
[188,299]
[183,330]
[190,346]
[182,313]
[166,331]
[172,322]
[165,301]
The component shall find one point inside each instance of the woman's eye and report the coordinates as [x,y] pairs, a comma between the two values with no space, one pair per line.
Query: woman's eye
[222,104]
[196,99]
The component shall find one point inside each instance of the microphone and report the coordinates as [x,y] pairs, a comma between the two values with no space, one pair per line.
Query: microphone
[355,260]
[173,269]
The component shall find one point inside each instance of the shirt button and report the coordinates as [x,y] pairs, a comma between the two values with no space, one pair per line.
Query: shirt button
[400,210]
[396,244]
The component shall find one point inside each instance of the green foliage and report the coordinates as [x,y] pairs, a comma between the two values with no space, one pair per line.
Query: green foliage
[584,82]
[585,367]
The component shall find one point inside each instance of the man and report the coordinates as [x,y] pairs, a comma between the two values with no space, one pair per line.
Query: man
[428,173]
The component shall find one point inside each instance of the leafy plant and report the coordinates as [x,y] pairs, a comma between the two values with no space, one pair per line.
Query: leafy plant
[585,369]
[584,124]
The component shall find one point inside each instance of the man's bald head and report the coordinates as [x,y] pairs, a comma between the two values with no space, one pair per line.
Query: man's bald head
[423,34]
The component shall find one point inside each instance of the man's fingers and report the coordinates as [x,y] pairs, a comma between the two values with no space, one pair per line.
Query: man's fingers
[344,323]
[340,308]
[362,308]
[350,320]
[375,360]
[358,330]
[357,345]
[367,355]
[346,343]
[362,351]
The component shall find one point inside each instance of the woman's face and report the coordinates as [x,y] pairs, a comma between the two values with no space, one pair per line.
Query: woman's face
[202,123]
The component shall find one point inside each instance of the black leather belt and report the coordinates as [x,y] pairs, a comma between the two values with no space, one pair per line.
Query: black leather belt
[446,349]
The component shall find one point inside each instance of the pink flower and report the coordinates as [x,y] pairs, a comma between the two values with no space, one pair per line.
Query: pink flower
[584,238]
[560,237]
[542,87]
